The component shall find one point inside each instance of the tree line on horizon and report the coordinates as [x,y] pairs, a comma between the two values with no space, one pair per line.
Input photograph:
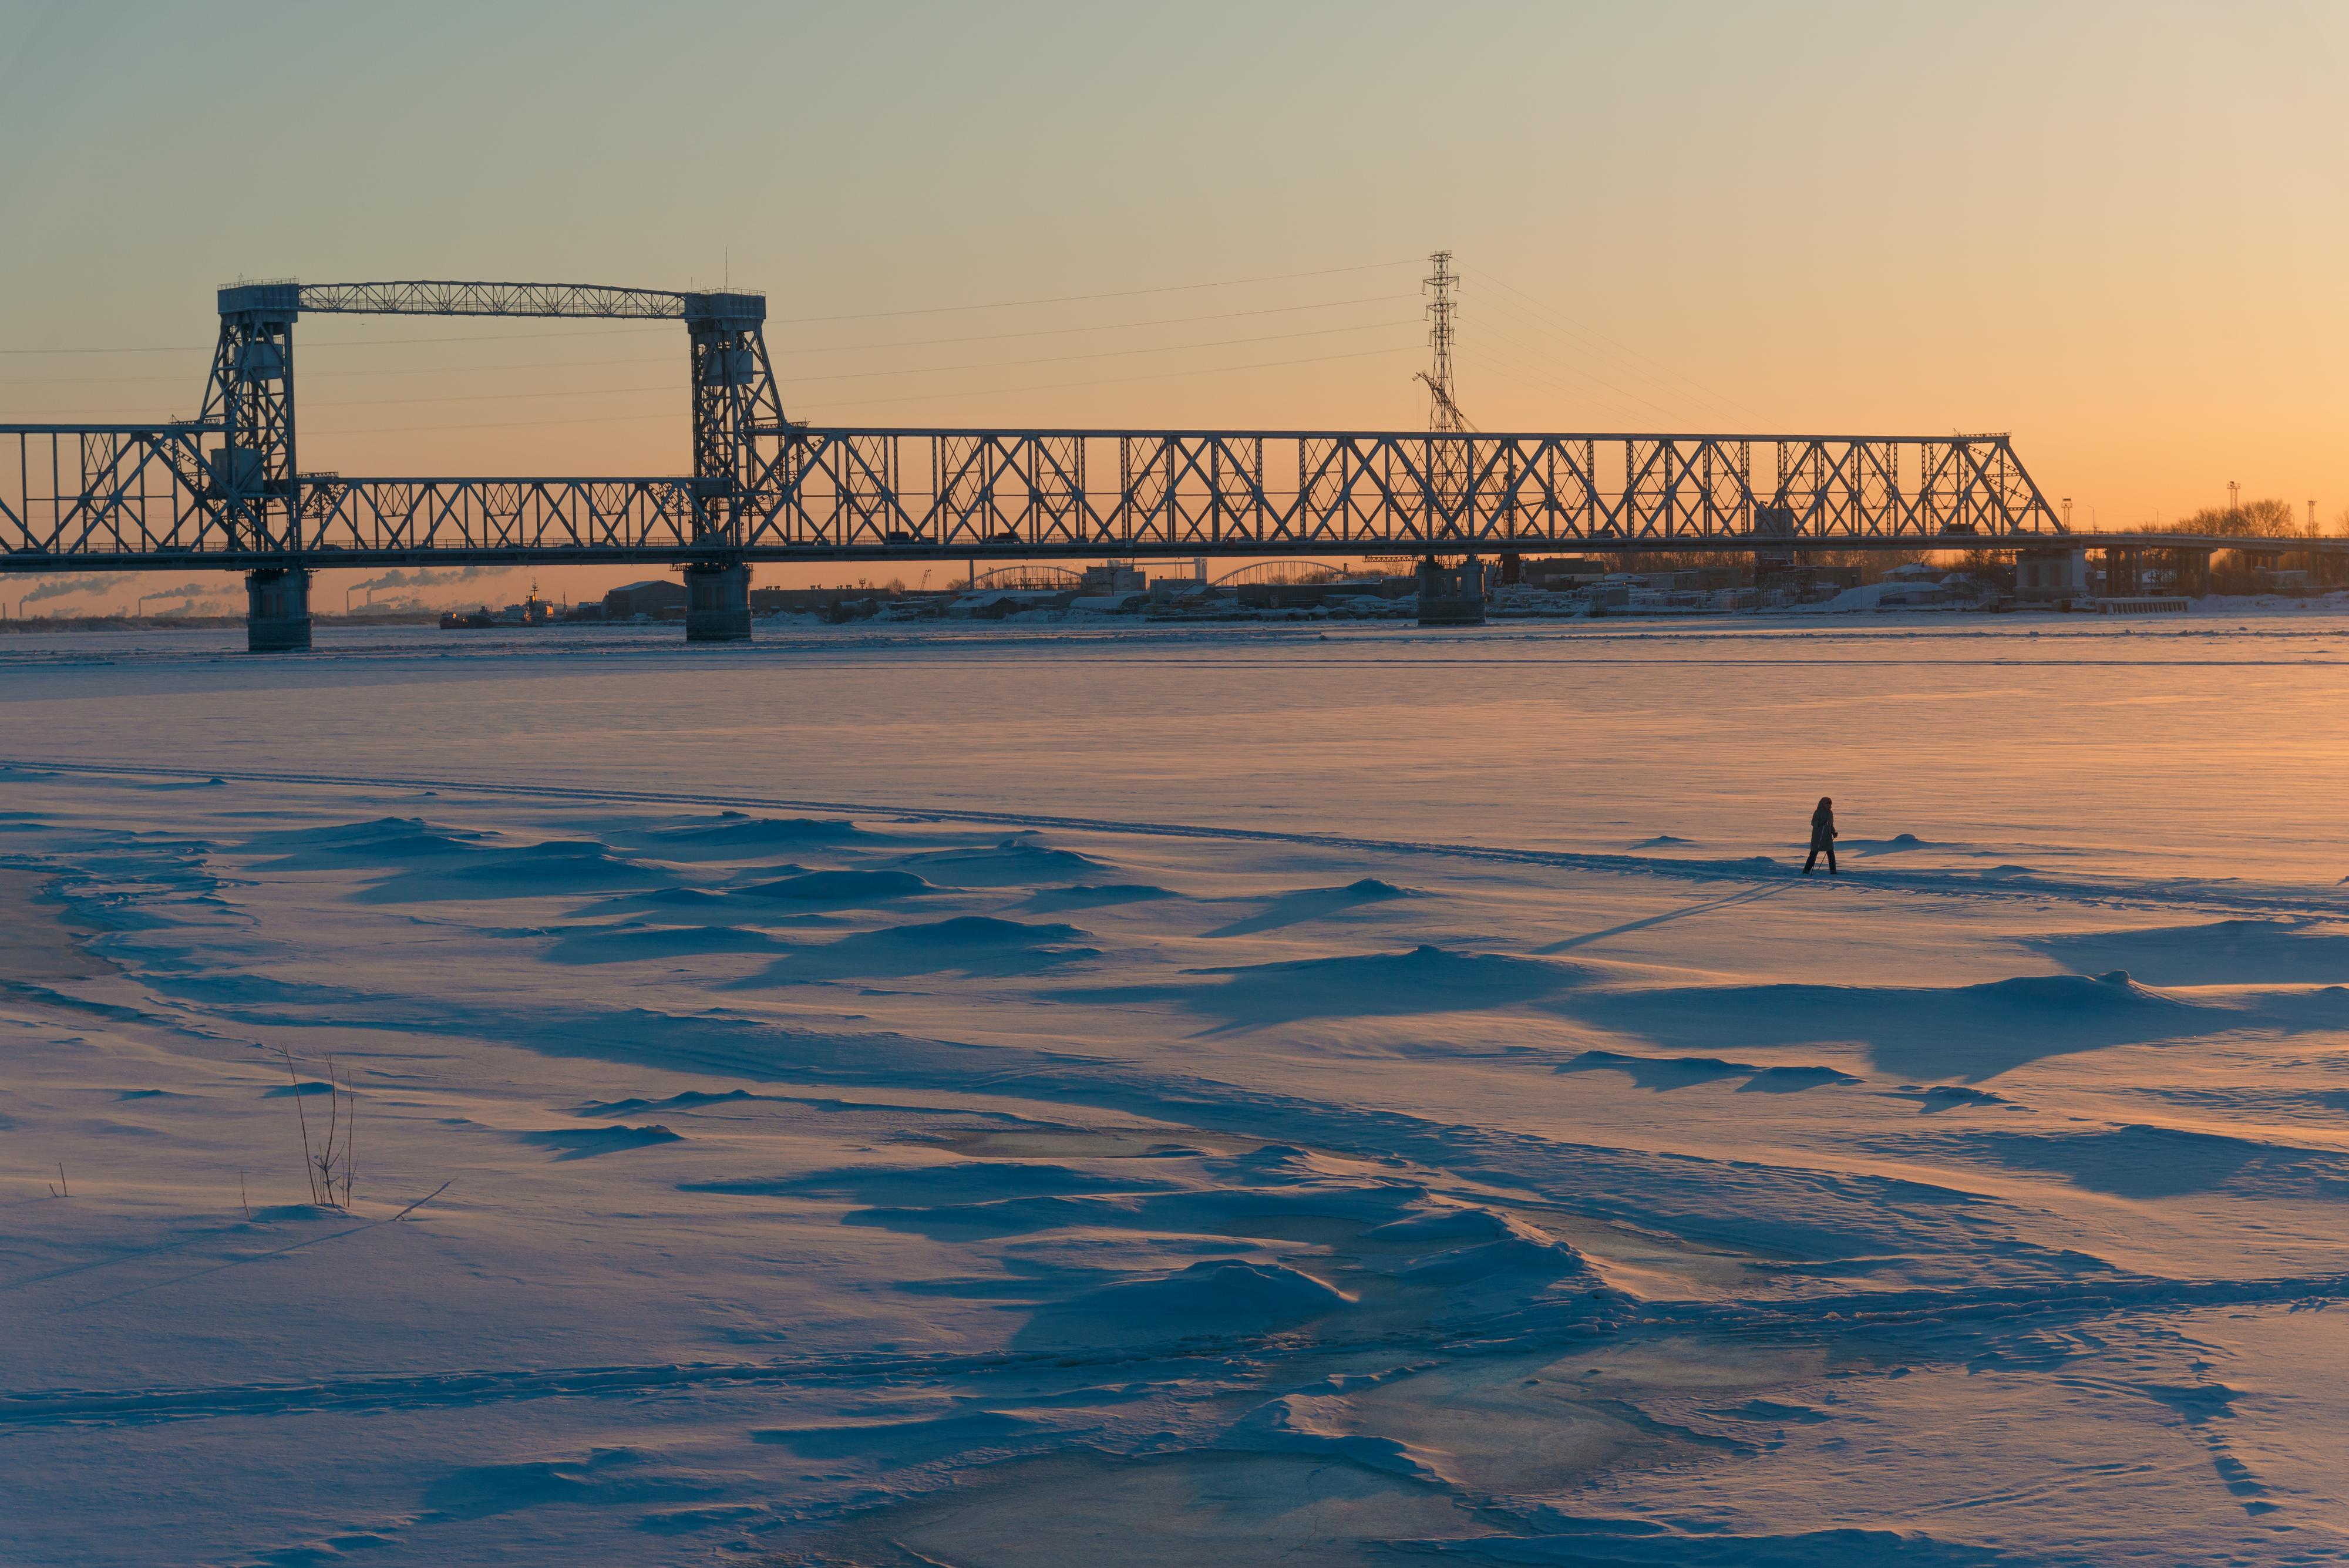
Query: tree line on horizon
[2264,519]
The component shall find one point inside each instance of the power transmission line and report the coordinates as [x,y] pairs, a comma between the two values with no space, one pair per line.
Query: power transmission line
[1103,354]
[867,402]
[1559,320]
[1076,298]
[1526,370]
[784,321]
[850,374]
[795,350]
[1113,380]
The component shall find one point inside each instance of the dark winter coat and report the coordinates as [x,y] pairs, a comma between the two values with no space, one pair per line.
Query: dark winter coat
[1823,829]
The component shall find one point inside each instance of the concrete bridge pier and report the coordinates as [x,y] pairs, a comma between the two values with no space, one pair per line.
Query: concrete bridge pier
[718,602]
[1451,596]
[2051,575]
[278,610]
[2122,578]
[2191,570]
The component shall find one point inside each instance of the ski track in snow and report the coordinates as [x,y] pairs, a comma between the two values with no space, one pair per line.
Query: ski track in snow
[810,1176]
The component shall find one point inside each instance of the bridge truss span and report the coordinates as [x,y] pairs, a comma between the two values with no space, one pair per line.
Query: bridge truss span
[1191,492]
[143,496]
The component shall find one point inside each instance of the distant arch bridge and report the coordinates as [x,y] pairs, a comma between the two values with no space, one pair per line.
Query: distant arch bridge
[1030,576]
[1296,570]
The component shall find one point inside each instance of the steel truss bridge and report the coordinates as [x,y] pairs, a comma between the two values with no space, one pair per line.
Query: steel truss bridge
[226,489]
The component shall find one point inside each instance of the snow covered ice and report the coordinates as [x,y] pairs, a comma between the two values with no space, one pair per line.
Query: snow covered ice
[1048,1098]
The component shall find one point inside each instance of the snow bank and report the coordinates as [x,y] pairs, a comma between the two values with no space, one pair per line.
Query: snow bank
[1166,1127]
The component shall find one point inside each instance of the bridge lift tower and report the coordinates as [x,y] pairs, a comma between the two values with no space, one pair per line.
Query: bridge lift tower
[267,504]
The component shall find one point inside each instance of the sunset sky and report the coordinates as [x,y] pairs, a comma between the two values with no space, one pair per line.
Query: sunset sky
[2115,230]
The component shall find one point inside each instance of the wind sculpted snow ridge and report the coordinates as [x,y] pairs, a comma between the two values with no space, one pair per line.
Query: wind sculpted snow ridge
[2005,882]
[890,1185]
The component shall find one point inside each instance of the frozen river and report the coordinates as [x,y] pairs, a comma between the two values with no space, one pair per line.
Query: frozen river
[1314,1094]
[2185,746]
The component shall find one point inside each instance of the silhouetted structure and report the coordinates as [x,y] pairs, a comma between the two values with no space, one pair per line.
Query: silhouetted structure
[656,598]
[226,490]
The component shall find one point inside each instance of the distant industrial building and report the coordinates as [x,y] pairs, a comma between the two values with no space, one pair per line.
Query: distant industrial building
[1561,574]
[813,601]
[1112,577]
[656,598]
[1306,596]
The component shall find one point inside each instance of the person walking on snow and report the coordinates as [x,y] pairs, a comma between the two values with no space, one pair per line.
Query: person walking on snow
[1823,836]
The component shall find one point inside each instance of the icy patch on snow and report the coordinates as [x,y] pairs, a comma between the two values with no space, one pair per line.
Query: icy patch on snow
[2152,1162]
[1898,844]
[1935,1098]
[1793,1080]
[1317,1425]
[964,944]
[1310,904]
[1219,1298]
[2220,953]
[1667,1074]
[1972,1031]
[585,1143]
[557,867]
[2265,1101]
[1428,978]
[734,834]
[1497,1257]
[603,1478]
[1012,862]
[1659,1072]
[671,901]
[691,1100]
[858,889]
[386,841]
[644,943]
[913,1440]
[1641,1543]
[1093,896]
[954,1184]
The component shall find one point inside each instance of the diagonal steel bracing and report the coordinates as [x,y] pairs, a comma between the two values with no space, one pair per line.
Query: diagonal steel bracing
[226,489]
[132,495]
